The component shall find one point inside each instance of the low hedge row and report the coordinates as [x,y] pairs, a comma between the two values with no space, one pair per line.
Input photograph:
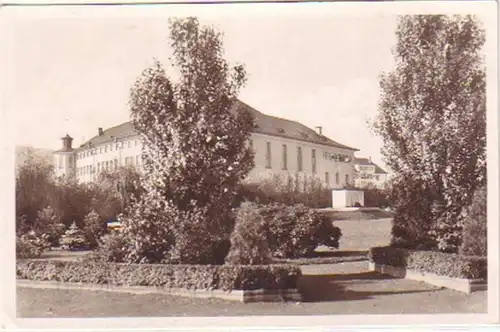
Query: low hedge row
[207,277]
[450,265]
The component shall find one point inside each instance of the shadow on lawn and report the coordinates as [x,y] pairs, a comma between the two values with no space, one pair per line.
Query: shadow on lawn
[320,288]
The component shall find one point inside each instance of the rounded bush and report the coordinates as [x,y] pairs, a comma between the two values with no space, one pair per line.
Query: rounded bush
[249,244]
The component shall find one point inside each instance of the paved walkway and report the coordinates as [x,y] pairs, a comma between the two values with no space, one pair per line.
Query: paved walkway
[352,281]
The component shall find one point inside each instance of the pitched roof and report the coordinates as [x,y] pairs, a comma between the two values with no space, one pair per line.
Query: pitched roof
[265,124]
[368,162]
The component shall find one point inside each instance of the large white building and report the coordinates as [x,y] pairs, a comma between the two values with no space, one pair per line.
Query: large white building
[281,146]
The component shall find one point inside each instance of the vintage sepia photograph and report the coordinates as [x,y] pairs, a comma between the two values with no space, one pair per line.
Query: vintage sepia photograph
[251,160]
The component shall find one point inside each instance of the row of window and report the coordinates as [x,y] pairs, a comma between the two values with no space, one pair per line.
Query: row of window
[284,158]
[106,165]
[106,148]
[369,176]
[337,178]
[300,166]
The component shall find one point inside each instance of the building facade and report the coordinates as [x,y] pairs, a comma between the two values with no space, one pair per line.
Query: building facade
[282,147]
[368,174]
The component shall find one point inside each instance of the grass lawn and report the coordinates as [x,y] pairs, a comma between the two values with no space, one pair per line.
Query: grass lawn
[364,234]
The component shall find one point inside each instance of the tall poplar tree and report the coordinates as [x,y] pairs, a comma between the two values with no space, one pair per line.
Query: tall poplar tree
[195,151]
[432,119]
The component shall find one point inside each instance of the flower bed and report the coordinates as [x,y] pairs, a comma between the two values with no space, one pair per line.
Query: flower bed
[192,277]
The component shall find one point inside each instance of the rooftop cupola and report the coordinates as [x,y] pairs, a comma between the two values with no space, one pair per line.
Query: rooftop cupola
[67,142]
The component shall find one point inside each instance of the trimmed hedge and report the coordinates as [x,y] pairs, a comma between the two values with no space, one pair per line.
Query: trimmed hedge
[208,277]
[443,264]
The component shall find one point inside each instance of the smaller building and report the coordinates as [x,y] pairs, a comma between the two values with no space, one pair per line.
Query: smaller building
[368,174]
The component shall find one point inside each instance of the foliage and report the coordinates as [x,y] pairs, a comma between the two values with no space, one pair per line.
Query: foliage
[208,277]
[194,154]
[249,239]
[118,188]
[432,119]
[295,231]
[34,187]
[73,238]
[375,197]
[112,248]
[48,222]
[475,233]
[31,245]
[94,228]
[443,264]
[284,190]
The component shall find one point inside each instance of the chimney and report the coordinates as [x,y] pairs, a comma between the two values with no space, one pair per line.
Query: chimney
[319,130]
[370,159]
[100,131]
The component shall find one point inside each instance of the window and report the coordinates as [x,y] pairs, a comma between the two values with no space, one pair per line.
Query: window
[129,144]
[337,178]
[347,179]
[285,158]
[106,149]
[111,147]
[377,177]
[100,150]
[137,159]
[136,142]
[251,144]
[313,160]
[98,167]
[268,154]
[299,158]
[116,163]
[327,178]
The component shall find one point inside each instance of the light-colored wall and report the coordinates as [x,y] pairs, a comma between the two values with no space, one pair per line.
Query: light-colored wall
[323,165]
[347,198]
[122,149]
[127,149]
[367,176]
[64,163]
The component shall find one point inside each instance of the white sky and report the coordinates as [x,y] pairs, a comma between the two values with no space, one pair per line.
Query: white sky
[72,74]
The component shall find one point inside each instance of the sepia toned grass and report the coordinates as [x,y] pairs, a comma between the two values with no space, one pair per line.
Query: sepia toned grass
[328,290]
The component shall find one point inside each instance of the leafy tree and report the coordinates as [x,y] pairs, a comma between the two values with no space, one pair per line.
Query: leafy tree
[49,223]
[120,187]
[194,151]
[94,228]
[475,236]
[432,119]
[73,238]
[34,188]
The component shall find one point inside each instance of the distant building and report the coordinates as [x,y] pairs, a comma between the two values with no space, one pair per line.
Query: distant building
[369,174]
[281,147]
